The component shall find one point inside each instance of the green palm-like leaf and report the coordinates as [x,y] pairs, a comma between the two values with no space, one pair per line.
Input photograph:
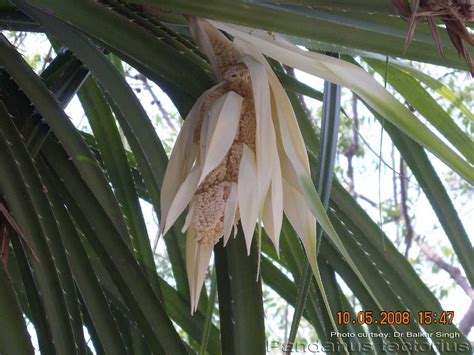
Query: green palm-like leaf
[27,212]
[369,27]
[427,106]
[17,339]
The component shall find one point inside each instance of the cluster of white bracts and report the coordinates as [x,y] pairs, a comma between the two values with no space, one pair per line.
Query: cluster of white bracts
[239,155]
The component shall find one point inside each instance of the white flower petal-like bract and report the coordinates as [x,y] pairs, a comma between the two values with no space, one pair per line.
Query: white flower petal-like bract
[243,156]
[221,128]
[247,192]
[230,210]
[182,159]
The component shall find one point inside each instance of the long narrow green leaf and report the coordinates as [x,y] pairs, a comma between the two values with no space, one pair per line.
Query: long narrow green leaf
[20,203]
[369,6]
[64,75]
[327,151]
[426,105]
[247,298]
[38,315]
[48,223]
[115,160]
[287,290]
[140,133]
[393,265]
[293,253]
[388,294]
[177,307]
[121,264]
[128,40]
[370,240]
[329,253]
[5,5]
[328,143]
[14,337]
[149,22]
[35,89]
[293,84]
[344,29]
[436,193]
[290,245]
[437,86]
[87,283]
[92,332]
[210,310]
[14,20]
[387,260]
[339,303]
[225,299]
[365,343]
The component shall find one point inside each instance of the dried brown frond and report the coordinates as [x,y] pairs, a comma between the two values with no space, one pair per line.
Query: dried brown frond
[454,14]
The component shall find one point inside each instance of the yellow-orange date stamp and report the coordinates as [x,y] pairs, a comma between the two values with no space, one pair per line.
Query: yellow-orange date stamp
[394,317]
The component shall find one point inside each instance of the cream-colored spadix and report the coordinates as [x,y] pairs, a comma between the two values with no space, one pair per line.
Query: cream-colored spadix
[239,157]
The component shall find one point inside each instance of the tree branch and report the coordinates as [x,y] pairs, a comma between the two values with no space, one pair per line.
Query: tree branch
[467,321]
[453,271]
[157,102]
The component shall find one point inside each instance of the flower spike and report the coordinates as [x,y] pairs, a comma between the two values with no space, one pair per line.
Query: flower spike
[239,157]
